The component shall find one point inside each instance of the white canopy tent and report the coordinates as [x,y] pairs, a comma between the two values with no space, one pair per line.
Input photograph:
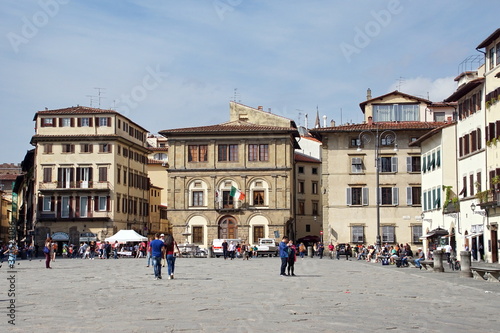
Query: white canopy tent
[124,236]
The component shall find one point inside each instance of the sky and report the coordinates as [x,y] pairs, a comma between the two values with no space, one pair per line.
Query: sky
[173,64]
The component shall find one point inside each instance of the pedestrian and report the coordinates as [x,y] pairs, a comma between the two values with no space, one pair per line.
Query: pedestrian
[46,251]
[283,250]
[292,258]
[31,248]
[157,251]
[115,249]
[12,250]
[148,252]
[54,251]
[302,250]
[232,250]
[170,246]
[321,249]
[107,249]
[225,246]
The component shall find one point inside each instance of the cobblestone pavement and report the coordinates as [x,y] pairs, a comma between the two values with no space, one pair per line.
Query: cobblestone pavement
[214,295]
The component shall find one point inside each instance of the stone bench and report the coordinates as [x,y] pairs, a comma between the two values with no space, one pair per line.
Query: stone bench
[426,263]
[484,273]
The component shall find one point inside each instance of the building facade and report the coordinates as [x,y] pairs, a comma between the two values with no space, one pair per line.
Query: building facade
[90,174]
[232,180]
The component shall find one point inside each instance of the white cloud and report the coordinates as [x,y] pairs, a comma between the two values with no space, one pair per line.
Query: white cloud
[435,90]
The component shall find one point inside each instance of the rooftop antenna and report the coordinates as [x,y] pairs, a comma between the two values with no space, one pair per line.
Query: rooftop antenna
[300,114]
[91,99]
[99,95]
[401,80]
[236,95]
[341,123]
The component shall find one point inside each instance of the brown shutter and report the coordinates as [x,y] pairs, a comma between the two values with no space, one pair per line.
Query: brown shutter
[42,122]
[89,206]
[72,146]
[96,203]
[40,204]
[52,203]
[110,148]
[60,122]
[90,121]
[71,203]
[79,122]
[77,206]
[109,121]
[54,122]
[72,122]
[96,121]
[58,207]
[108,203]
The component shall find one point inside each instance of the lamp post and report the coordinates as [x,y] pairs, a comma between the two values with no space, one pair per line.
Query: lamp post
[389,138]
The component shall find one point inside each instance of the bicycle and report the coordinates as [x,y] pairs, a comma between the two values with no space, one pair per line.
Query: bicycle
[454,264]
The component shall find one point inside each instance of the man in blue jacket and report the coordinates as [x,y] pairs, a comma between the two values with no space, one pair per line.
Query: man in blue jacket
[283,248]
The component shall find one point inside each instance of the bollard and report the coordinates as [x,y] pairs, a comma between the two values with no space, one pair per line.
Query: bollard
[310,251]
[438,261]
[465,264]
[209,252]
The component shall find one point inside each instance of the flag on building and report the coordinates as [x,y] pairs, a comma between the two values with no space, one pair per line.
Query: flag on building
[237,194]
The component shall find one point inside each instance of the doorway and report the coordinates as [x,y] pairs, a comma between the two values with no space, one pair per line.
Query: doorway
[228,228]
[494,245]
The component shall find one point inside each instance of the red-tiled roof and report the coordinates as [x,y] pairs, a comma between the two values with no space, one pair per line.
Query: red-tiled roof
[490,39]
[464,89]
[229,127]
[8,177]
[443,104]
[274,114]
[399,125]
[299,157]
[158,148]
[153,161]
[309,138]
[430,134]
[395,92]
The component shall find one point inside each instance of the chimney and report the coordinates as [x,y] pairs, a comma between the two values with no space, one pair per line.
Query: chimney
[370,120]
[260,108]
[449,119]
[332,123]
[324,121]
[368,94]
[306,122]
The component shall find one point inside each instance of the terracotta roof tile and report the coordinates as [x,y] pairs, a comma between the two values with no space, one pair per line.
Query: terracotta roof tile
[8,177]
[77,110]
[395,92]
[400,125]
[299,157]
[229,127]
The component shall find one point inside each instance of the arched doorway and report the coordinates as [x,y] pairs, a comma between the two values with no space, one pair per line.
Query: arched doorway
[228,228]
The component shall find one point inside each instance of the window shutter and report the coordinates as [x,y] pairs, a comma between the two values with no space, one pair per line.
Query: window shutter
[425,201]
[77,206]
[394,161]
[79,122]
[58,206]
[89,205]
[478,135]
[379,199]
[72,122]
[348,197]
[109,121]
[72,147]
[96,121]
[438,158]
[52,203]
[60,122]
[408,164]
[438,198]
[42,122]
[110,148]
[96,203]
[40,204]
[108,203]
[409,198]
[70,204]
[395,196]
[424,169]
[90,121]
[365,196]
[78,174]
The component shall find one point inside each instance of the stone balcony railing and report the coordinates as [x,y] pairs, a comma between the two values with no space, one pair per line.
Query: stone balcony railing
[91,185]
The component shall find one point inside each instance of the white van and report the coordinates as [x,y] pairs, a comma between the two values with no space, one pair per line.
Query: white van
[217,245]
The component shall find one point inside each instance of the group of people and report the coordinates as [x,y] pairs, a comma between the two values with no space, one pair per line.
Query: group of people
[234,250]
[288,255]
[398,254]
[162,248]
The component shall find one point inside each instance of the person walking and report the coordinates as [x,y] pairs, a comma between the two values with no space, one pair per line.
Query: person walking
[321,250]
[232,250]
[170,245]
[283,250]
[292,258]
[302,250]
[225,246]
[115,249]
[148,252]
[12,251]
[331,249]
[157,251]
[46,252]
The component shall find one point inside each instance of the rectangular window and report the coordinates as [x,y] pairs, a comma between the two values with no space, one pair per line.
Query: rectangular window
[258,198]
[84,206]
[492,57]
[65,122]
[258,232]
[65,207]
[227,153]
[355,142]
[301,207]
[498,54]
[85,148]
[47,175]
[416,233]
[388,164]
[103,121]
[471,184]
[308,228]
[478,182]
[47,148]
[314,188]
[68,148]
[105,148]
[439,116]
[227,199]
[389,195]
[197,153]
[258,152]
[84,122]
[197,198]
[464,188]
[413,164]
[301,169]
[103,174]
[357,234]
[315,208]
[357,196]
[314,171]
[103,204]
[48,122]
[388,235]
[413,195]
[47,204]
[301,187]
[356,165]
[396,112]
[197,235]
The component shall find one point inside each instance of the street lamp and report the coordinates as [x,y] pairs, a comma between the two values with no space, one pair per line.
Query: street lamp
[384,138]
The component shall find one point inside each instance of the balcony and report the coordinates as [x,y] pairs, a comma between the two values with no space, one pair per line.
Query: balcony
[56,217]
[78,185]
[451,207]
[489,198]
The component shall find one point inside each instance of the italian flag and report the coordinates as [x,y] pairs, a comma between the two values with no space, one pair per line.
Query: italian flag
[237,194]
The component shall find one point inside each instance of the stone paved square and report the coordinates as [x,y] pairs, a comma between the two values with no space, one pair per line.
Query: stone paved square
[214,295]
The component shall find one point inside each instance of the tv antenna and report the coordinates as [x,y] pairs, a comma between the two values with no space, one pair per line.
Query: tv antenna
[401,80]
[99,93]
[91,99]
[236,95]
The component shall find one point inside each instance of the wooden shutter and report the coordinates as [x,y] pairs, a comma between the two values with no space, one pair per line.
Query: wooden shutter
[90,121]
[72,122]
[60,122]
[89,206]
[58,207]
[96,121]
[394,162]
[96,203]
[40,204]
[79,122]
[108,203]
[409,198]
[408,164]
[365,196]
[395,196]
[77,206]
[109,121]
[70,204]
[348,196]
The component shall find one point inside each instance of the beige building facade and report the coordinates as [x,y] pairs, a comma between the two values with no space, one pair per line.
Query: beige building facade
[90,174]
[211,168]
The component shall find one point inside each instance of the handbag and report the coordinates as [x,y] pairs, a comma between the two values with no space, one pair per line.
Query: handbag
[46,250]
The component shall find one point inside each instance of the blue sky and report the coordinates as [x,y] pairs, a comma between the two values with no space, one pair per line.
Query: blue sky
[169,64]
